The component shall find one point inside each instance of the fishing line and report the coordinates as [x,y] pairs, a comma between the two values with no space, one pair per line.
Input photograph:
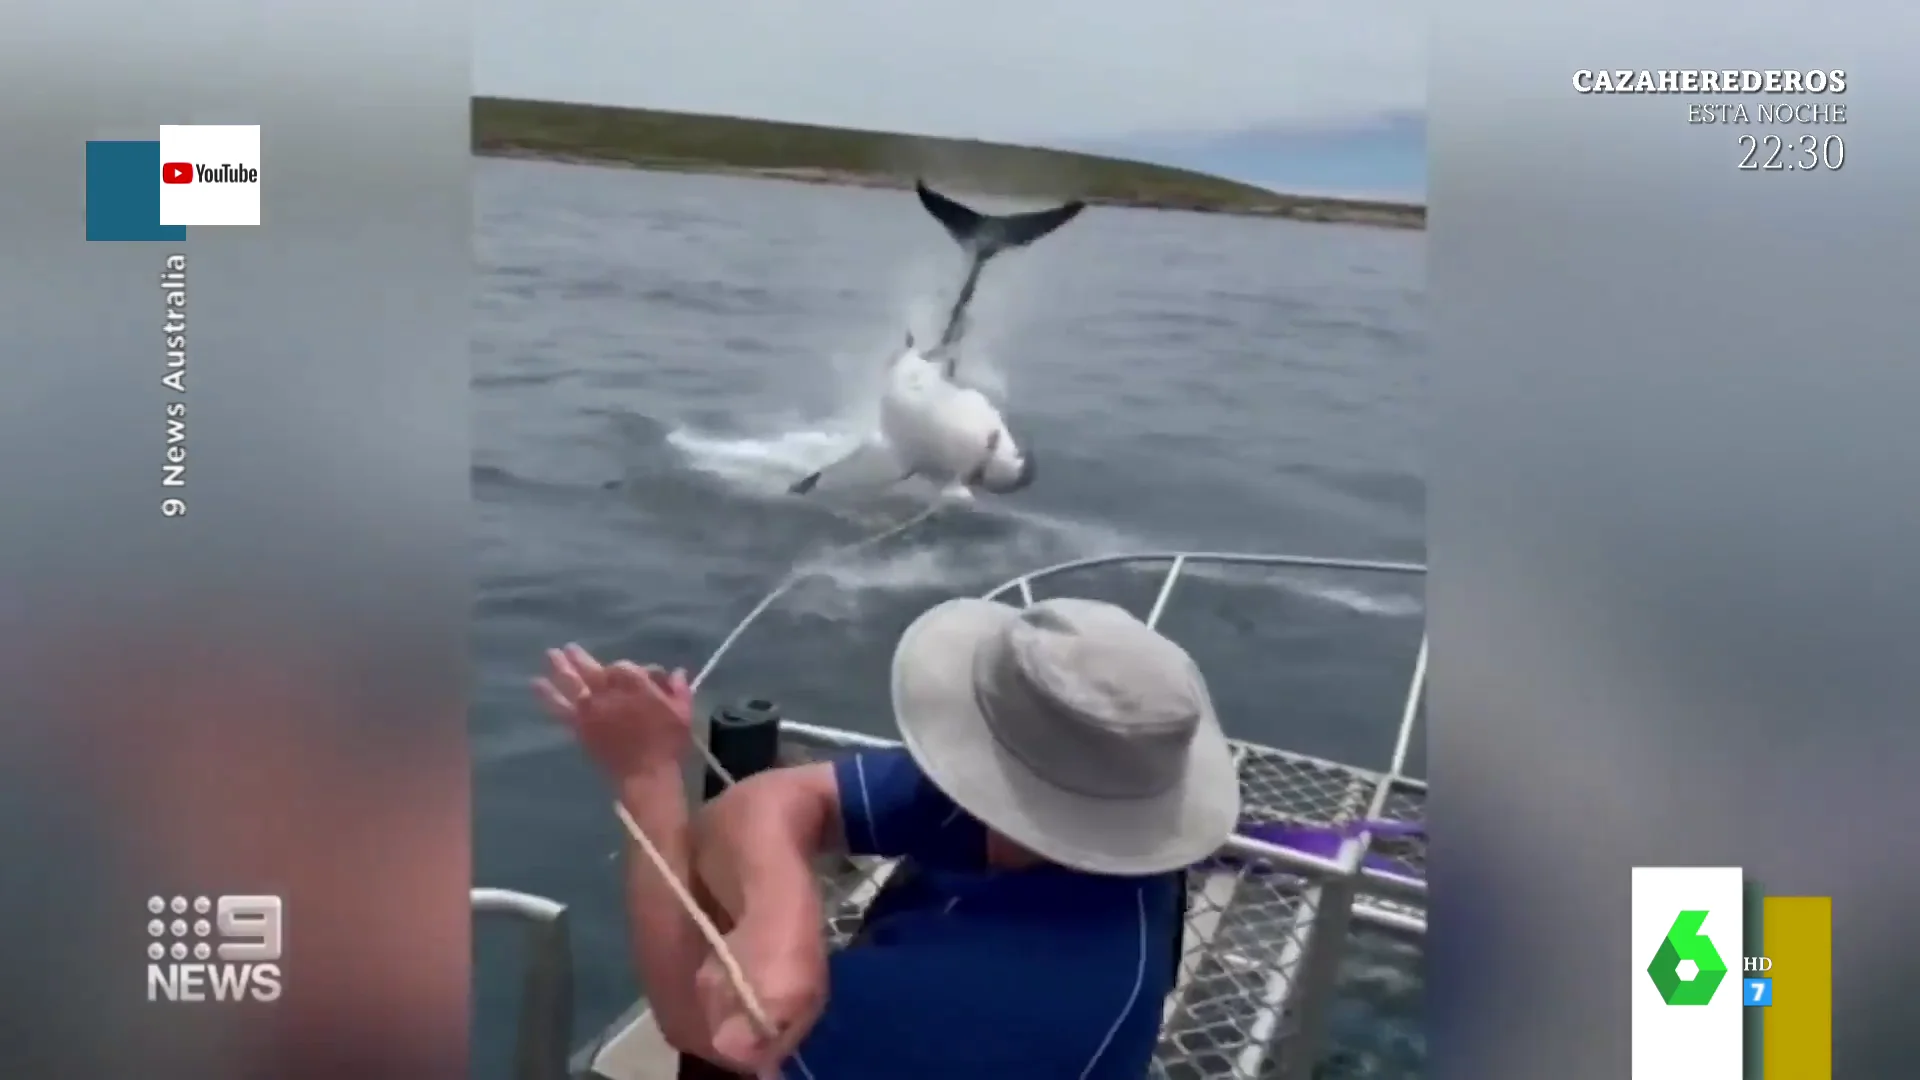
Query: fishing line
[715,940]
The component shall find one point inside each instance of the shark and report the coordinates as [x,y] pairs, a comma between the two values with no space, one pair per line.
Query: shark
[933,426]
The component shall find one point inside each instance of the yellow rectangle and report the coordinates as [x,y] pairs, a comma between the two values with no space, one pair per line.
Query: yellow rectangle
[1798,938]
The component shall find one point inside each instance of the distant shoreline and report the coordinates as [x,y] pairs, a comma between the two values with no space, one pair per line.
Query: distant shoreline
[732,146]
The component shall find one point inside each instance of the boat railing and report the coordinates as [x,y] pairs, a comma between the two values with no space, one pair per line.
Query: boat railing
[1323,896]
[542,1043]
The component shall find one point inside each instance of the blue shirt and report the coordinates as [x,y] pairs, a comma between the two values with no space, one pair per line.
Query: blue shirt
[973,974]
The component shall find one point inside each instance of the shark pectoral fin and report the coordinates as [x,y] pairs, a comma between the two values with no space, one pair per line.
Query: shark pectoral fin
[870,464]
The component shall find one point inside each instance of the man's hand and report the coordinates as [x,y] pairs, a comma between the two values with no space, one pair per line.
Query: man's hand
[631,720]
[787,968]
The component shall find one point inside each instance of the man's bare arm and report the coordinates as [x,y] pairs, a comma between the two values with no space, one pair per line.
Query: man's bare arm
[758,840]
[668,947]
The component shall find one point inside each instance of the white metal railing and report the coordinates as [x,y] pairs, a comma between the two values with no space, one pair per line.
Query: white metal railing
[543,1043]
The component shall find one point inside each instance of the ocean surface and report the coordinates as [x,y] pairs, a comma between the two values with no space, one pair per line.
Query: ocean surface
[657,356]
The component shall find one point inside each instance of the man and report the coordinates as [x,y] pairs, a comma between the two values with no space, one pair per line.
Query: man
[1062,763]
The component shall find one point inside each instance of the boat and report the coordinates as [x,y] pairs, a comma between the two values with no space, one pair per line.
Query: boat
[1268,923]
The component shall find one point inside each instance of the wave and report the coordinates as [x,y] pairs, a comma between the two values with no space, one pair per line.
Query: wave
[517,378]
[485,477]
[1379,602]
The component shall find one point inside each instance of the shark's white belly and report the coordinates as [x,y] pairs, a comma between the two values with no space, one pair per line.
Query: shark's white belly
[938,429]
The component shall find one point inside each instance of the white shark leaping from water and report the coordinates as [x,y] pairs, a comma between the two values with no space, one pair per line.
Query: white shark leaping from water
[930,425]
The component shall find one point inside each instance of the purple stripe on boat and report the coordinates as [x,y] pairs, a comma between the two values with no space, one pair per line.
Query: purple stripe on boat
[1325,841]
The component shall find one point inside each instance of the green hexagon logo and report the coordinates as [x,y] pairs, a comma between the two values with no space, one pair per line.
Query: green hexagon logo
[1686,942]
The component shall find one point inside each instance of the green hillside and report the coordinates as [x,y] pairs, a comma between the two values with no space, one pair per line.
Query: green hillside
[647,138]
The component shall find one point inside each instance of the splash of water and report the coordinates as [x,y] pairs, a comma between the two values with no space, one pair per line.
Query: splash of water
[766,464]
[1008,539]
[763,465]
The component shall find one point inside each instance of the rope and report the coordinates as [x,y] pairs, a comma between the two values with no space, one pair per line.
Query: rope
[715,940]
[707,930]
[795,577]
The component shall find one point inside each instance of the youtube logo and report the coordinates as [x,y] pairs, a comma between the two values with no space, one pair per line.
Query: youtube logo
[209,174]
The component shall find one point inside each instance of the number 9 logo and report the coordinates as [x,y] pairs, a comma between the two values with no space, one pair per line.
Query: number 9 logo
[252,928]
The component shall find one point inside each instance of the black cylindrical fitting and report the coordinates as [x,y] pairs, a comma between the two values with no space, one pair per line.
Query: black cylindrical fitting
[745,739]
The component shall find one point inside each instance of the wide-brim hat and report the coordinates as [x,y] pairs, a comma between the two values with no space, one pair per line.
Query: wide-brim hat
[1071,728]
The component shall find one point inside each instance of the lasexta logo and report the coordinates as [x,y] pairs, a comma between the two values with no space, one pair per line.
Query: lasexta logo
[176,172]
[1685,944]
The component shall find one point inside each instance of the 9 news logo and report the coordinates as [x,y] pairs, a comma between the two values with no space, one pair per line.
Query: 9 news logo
[225,948]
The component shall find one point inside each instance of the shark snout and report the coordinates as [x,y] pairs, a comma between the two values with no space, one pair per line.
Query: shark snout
[1029,466]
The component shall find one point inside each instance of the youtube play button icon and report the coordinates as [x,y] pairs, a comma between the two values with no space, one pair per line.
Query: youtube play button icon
[176,172]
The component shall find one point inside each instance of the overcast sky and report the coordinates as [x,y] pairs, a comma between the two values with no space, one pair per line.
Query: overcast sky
[1023,70]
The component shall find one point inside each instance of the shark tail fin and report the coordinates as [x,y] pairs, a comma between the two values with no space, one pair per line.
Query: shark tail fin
[985,235]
